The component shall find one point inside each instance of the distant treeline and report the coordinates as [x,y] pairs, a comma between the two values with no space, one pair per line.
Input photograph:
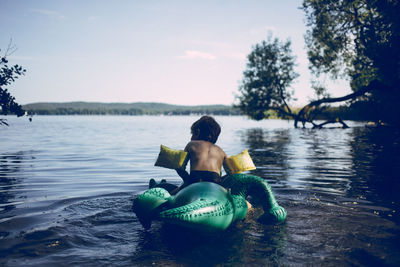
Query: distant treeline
[354,112]
[91,108]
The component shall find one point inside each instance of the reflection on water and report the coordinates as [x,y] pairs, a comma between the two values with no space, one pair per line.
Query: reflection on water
[67,184]
[376,158]
[269,150]
[340,189]
[246,244]
[9,168]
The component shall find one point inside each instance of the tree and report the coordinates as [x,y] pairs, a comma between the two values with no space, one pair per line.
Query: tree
[354,39]
[359,40]
[269,73]
[264,90]
[9,74]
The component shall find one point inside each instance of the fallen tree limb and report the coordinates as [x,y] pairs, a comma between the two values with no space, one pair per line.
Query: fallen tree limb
[301,116]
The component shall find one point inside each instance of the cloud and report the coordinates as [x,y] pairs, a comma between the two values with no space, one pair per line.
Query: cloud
[193,54]
[48,13]
[219,50]
[213,44]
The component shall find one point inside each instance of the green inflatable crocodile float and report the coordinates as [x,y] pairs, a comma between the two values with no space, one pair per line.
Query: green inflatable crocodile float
[208,206]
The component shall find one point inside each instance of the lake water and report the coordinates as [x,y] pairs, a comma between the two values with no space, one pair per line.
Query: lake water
[67,184]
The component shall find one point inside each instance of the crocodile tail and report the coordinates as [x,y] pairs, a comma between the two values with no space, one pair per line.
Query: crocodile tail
[258,188]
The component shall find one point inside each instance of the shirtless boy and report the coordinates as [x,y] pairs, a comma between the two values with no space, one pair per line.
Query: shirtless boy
[205,157]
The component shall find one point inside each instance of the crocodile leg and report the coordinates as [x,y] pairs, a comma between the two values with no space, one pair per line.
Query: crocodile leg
[149,204]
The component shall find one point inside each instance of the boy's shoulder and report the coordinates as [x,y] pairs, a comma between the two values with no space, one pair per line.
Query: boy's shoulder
[200,143]
[193,143]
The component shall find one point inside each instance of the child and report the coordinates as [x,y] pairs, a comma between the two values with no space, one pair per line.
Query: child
[205,157]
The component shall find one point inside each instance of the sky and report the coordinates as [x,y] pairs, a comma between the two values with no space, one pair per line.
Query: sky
[183,52]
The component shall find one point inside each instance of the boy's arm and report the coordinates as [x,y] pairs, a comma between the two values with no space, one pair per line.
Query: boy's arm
[182,172]
[226,167]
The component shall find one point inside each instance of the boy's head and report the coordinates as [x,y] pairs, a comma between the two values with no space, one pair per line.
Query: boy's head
[206,128]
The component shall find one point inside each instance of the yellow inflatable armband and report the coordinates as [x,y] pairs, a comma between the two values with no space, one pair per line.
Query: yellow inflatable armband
[171,158]
[239,163]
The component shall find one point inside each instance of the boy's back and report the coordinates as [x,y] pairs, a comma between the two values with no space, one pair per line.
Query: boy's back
[205,156]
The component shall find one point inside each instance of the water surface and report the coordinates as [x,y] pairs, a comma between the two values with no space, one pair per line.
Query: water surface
[67,184]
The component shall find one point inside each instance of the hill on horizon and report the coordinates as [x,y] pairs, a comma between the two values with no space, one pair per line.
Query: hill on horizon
[135,108]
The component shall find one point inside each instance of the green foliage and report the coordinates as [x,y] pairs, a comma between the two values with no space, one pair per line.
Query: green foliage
[358,39]
[8,74]
[140,108]
[269,73]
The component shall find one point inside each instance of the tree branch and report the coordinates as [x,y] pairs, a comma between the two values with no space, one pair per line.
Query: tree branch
[301,115]
[319,126]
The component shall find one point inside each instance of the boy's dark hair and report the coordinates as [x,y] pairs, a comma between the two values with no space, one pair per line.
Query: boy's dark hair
[208,129]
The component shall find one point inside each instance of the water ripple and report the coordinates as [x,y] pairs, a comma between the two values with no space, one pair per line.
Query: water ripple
[67,183]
